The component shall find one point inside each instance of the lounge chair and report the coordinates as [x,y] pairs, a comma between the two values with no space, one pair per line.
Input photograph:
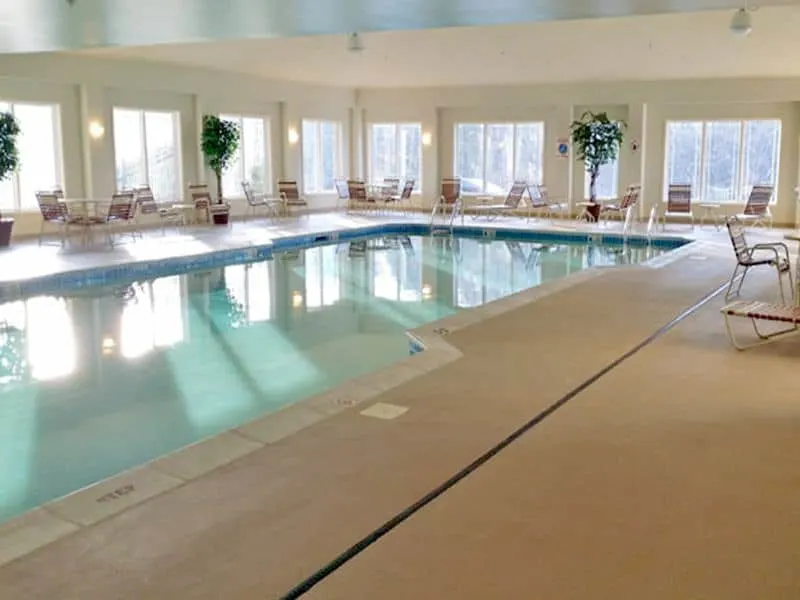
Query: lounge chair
[255,201]
[774,254]
[290,195]
[357,194]
[342,193]
[756,211]
[403,200]
[121,213]
[147,206]
[450,196]
[757,312]
[542,205]
[620,207]
[55,212]
[679,203]
[511,204]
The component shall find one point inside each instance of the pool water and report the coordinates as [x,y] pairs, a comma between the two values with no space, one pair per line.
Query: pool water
[104,379]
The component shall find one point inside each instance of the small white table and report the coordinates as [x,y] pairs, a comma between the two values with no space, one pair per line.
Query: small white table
[710,211]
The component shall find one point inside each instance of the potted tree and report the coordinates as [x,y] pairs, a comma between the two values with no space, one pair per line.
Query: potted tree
[597,141]
[9,162]
[219,142]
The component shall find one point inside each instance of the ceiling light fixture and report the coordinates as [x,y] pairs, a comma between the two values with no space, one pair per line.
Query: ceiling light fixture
[355,43]
[742,22]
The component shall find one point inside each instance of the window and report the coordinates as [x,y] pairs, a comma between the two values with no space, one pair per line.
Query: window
[722,160]
[606,185]
[490,156]
[321,155]
[39,145]
[251,162]
[147,152]
[395,150]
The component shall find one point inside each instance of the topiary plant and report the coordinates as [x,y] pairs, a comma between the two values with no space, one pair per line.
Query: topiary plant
[9,153]
[219,142]
[597,140]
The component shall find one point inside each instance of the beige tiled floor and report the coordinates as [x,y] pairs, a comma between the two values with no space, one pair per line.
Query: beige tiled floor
[671,477]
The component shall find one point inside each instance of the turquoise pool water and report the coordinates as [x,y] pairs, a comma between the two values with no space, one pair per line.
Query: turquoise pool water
[103,379]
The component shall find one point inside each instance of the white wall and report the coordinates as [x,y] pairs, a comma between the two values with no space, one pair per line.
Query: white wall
[646,107]
[88,88]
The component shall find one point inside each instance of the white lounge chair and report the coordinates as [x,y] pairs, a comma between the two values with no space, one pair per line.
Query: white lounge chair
[759,312]
[773,254]
[511,203]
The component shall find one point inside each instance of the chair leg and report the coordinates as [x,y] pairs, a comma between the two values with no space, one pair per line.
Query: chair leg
[741,281]
[729,292]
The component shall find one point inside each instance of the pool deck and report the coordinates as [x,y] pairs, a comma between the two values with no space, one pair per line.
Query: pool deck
[672,475]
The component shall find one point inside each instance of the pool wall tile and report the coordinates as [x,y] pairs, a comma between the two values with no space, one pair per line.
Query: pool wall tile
[145,270]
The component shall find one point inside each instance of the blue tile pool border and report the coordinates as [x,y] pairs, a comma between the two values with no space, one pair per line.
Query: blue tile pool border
[121,274]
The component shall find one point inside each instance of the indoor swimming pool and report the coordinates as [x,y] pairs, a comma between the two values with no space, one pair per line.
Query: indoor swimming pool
[100,379]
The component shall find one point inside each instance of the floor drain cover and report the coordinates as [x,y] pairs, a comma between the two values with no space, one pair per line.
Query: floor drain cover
[383,410]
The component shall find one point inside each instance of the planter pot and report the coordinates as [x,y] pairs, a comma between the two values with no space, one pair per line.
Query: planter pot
[220,218]
[594,210]
[6,226]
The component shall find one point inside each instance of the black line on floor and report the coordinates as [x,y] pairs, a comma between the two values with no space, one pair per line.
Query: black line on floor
[381,531]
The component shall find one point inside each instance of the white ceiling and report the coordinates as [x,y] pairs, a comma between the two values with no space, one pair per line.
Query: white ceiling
[675,46]
[46,25]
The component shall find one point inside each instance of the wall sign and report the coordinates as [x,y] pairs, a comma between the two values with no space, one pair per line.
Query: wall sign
[562,145]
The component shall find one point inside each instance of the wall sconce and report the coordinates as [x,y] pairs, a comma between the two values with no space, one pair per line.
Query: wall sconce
[293,137]
[426,138]
[427,292]
[96,130]
[297,299]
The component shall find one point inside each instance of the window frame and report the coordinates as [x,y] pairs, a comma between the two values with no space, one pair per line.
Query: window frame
[58,145]
[397,151]
[741,188]
[239,118]
[485,126]
[143,132]
[338,158]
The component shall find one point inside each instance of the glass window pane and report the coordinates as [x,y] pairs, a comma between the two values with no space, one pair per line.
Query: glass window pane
[330,154]
[762,148]
[606,184]
[232,176]
[410,149]
[684,139]
[499,157]
[161,136]
[39,156]
[311,152]
[254,148]
[382,151]
[530,153]
[721,162]
[469,157]
[129,149]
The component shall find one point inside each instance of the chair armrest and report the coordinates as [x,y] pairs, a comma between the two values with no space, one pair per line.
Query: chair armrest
[774,246]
